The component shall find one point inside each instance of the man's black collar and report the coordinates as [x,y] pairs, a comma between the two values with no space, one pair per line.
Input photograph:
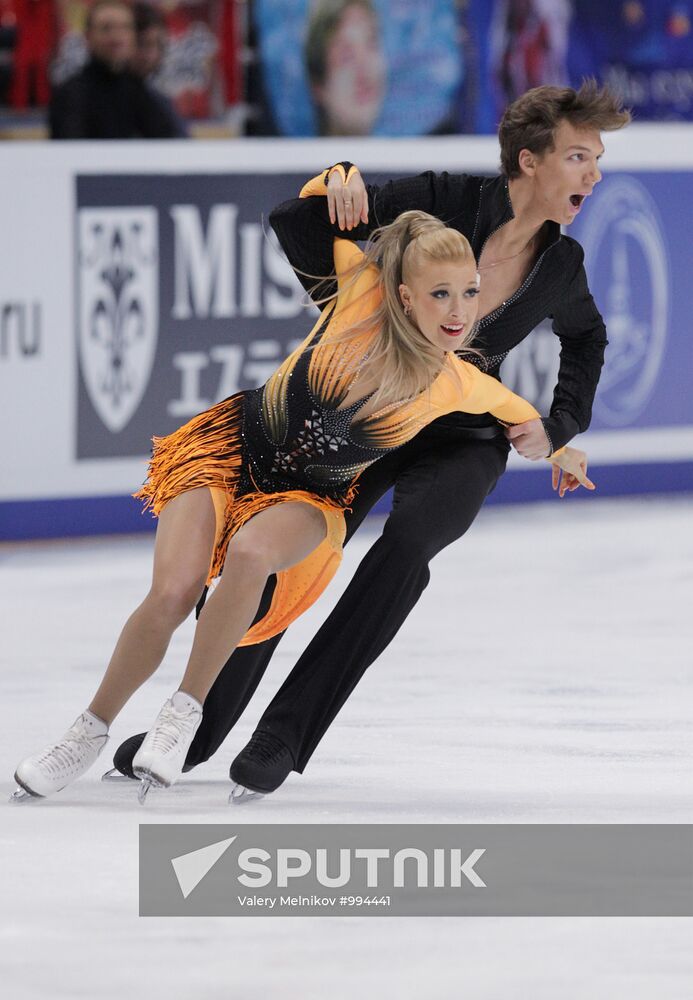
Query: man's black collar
[496,209]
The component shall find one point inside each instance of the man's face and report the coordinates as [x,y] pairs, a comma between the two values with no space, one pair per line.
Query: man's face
[111,36]
[567,174]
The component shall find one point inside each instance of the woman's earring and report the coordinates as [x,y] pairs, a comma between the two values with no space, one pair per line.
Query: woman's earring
[407,310]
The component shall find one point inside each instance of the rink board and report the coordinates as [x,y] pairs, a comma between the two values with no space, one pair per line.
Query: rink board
[140,284]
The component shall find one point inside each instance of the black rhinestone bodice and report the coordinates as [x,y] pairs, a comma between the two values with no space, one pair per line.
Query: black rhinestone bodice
[318,452]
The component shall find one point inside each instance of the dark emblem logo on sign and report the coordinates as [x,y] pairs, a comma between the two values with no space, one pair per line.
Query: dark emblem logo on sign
[118,307]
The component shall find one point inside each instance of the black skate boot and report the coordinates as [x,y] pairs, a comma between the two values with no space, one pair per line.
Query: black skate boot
[122,760]
[261,767]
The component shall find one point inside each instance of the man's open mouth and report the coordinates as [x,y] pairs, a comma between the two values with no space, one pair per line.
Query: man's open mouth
[577,199]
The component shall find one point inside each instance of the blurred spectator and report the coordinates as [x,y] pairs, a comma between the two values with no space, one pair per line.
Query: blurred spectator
[346,66]
[529,46]
[152,40]
[27,39]
[150,51]
[106,99]
[8,43]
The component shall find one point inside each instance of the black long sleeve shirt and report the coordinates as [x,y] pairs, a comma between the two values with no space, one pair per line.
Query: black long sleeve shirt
[556,287]
[97,103]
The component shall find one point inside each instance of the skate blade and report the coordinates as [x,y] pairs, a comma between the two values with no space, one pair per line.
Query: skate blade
[115,775]
[240,794]
[22,795]
[147,782]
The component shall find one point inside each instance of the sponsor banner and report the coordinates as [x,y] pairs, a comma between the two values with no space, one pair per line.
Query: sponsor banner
[405,870]
[183,299]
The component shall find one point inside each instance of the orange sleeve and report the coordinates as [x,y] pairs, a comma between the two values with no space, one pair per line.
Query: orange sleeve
[346,255]
[358,296]
[483,394]
[487,395]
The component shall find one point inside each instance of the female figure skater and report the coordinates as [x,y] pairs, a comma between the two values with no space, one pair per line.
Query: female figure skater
[257,484]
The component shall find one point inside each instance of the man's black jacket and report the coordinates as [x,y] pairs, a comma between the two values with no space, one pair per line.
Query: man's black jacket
[98,103]
[476,206]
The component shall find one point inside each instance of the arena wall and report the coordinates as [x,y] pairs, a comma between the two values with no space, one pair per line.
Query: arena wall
[140,283]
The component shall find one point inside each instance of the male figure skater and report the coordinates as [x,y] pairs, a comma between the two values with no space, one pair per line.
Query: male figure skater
[550,150]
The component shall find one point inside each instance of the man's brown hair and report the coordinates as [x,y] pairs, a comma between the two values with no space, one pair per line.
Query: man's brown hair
[531,121]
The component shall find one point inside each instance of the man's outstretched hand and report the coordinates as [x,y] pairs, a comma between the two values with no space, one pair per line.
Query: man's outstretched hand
[569,470]
[347,203]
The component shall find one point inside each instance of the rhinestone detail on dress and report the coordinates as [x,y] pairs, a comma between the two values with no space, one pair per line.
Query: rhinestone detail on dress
[322,433]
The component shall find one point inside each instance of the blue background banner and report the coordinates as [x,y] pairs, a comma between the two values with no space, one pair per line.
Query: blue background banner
[635,234]
[415,46]
[642,48]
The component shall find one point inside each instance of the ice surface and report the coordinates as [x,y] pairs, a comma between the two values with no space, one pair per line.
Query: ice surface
[544,677]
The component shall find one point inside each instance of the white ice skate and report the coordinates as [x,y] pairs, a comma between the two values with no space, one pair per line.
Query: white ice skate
[59,764]
[159,761]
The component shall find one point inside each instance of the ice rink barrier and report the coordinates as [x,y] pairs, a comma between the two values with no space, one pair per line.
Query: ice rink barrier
[140,283]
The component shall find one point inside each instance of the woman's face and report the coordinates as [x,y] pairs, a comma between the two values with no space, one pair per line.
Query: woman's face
[354,86]
[443,299]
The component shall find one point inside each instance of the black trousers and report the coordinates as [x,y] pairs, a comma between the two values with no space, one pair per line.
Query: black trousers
[441,479]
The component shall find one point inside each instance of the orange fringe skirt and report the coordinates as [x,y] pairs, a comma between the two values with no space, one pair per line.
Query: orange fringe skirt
[208,451]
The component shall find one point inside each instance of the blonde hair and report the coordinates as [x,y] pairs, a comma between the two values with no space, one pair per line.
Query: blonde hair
[408,362]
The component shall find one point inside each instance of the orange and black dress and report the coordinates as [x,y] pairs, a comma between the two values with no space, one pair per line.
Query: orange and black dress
[293,438]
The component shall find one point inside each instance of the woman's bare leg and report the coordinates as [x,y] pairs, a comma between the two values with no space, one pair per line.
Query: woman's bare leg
[182,554]
[273,540]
